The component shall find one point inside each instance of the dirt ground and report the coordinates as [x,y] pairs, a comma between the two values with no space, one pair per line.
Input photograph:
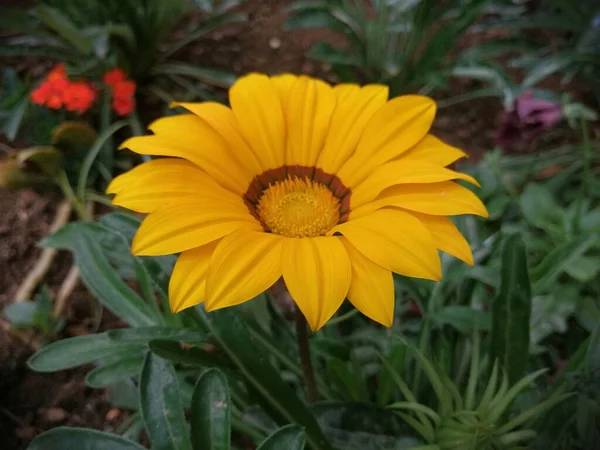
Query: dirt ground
[31,403]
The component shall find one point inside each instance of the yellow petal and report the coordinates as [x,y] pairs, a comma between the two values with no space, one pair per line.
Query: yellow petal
[187,285]
[439,199]
[317,274]
[402,172]
[446,236]
[161,182]
[355,107]
[189,224]
[245,264]
[372,287]
[308,112]
[257,107]
[395,240]
[206,154]
[222,119]
[397,126]
[433,150]
[283,83]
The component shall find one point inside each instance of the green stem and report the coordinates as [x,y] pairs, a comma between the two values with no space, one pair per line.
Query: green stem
[305,360]
[78,205]
[342,318]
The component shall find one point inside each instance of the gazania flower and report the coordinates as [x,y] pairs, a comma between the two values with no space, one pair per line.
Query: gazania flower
[332,189]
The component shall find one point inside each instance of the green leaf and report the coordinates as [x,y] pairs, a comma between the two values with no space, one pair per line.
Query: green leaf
[91,155]
[539,206]
[360,426]
[348,379]
[290,437]
[76,351]
[115,372]
[63,27]
[546,67]
[104,282]
[161,406]
[214,77]
[10,127]
[64,438]
[463,318]
[211,412]
[143,335]
[511,312]
[395,358]
[323,51]
[558,260]
[276,396]
[124,395]
[194,356]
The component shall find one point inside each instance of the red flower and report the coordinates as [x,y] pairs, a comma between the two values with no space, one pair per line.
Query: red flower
[50,93]
[58,73]
[113,77]
[40,93]
[123,97]
[123,106]
[79,97]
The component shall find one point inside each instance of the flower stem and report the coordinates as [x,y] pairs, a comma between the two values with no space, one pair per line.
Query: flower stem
[305,360]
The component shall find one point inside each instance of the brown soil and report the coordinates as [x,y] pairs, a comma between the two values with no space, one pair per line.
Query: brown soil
[31,403]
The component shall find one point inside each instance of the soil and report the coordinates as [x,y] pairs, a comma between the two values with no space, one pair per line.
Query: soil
[31,403]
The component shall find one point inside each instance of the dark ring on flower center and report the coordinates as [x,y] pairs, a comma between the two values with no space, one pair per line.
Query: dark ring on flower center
[270,177]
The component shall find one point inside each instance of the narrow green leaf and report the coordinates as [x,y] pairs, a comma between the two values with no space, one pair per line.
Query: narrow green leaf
[411,406]
[396,358]
[161,406]
[143,335]
[194,356]
[63,27]
[106,285]
[546,67]
[290,437]
[92,154]
[64,438]
[214,77]
[511,311]
[76,351]
[235,339]
[211,412]
[112,373]
[558,260]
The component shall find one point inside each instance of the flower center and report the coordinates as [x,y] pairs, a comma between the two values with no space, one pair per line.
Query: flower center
[296,207]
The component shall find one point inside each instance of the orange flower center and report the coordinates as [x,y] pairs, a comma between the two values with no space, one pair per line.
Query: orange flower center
[298,208]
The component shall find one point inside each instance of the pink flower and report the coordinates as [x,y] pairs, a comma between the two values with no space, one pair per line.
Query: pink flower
[527,121]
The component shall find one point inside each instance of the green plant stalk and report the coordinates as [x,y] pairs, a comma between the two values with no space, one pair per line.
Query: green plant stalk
[305,360]
[106,153]
[63,183]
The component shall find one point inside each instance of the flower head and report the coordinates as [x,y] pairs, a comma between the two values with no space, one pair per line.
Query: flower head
[79,97]
[58,73]
[123,92]
[114,76]
[528,120]
[331,189]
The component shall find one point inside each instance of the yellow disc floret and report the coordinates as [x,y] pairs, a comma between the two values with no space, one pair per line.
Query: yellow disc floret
[298,208]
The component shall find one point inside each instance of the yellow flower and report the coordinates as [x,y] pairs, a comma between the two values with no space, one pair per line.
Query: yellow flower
[331,188]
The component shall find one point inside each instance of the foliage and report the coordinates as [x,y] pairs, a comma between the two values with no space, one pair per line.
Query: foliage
[570,44]
[404,44]
[94,36]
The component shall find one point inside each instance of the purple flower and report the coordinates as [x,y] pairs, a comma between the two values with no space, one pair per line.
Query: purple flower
[528,120]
